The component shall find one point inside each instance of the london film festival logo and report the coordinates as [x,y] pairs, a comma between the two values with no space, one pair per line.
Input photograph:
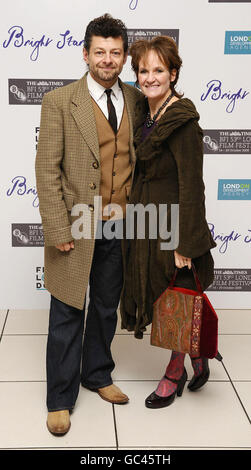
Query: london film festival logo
[216,91]
[237,42]
[231,280]
[148,34]
[27,235]
[39,273]
[31,91]
[234,190]
[37,129]
[227,141]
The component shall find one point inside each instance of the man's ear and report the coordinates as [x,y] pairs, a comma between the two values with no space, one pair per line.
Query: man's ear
[86,55]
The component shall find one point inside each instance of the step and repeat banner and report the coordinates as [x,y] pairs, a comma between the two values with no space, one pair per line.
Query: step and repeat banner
[41,49]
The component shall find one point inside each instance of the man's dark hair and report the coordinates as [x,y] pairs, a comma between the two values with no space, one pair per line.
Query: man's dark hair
[106,26]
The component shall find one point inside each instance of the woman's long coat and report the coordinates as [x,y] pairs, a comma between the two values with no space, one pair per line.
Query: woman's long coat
[169,170]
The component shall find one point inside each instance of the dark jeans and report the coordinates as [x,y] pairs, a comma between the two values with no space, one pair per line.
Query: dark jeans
[70,359]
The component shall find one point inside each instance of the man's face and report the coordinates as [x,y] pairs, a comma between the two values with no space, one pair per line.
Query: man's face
[106,58]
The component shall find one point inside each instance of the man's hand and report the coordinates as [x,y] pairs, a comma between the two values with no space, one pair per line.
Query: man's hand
[65,246]
[181,261]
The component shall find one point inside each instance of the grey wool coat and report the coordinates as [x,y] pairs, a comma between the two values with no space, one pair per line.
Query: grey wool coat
[169,170]
[67,165]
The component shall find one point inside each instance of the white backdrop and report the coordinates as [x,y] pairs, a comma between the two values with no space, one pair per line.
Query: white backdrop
[40,45]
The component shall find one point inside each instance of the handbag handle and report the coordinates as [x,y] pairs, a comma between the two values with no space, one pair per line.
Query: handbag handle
[197,281]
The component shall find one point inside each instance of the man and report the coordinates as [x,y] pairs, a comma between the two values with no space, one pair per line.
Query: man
[85,150]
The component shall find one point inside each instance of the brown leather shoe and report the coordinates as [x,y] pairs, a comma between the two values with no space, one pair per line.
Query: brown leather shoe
[58,422]
[113,394]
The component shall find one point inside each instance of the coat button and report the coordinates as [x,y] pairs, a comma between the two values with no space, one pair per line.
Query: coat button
[113,191]
[92,186]
[95,165]
[91,207]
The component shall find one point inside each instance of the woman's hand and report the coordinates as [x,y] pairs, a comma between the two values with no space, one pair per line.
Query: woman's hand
[65,246]
[181,261]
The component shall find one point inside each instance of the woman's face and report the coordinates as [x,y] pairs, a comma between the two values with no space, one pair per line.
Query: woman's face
[154,77]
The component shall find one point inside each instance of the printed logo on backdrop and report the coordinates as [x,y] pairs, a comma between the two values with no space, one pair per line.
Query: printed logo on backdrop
[226,141]
[39,278]
[133,4]
[216,91]
[26,235]
[31,91]
[231,280]
[37,129]
[17,38]
[148,34]
[237,42]
[20,188]
[231,190]
[226,240]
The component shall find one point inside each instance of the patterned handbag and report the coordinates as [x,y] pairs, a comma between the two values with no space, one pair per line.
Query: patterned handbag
[185,321]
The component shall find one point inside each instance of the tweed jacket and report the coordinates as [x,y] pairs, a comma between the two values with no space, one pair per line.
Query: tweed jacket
[68,173]
[169,170]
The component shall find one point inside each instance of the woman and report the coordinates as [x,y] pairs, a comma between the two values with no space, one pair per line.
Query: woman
[169,150]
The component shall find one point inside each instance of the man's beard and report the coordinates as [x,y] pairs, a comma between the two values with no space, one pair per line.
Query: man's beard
[105,76]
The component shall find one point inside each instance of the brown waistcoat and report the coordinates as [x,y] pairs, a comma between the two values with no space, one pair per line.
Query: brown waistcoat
[115,162]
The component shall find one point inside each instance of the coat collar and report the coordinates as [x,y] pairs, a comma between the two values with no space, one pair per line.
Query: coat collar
[82,111]
[176,115]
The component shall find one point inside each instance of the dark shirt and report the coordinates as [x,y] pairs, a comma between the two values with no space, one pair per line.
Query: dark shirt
[146,130]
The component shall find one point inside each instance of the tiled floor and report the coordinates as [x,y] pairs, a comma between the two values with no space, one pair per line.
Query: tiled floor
[216,417]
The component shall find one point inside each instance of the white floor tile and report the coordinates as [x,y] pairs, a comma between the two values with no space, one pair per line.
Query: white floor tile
[234,321]
[201,419]
[137,360]
[236,352]
[22,358]
[212,417]
[27,322]
[244,392]
[23,419]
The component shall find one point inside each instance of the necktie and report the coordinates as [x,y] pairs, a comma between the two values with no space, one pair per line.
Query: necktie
[112,118]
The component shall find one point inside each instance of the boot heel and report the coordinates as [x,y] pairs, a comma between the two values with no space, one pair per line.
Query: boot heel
[181,383]
[198,381]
